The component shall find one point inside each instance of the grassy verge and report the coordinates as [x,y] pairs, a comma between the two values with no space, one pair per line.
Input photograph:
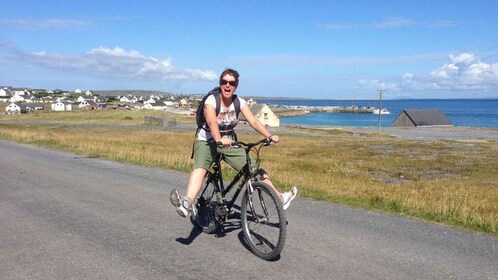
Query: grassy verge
[121,117]
[448,182]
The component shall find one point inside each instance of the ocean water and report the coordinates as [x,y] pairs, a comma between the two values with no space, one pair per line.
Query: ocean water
[461,112]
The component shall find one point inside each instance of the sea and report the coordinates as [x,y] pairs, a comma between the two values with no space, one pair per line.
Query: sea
[461,112]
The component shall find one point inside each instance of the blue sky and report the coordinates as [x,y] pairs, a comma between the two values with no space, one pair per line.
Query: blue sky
[317,49]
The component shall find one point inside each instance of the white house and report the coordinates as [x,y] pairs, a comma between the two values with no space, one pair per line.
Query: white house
[128,99]
[169,103]
[5,92]
[183,102]
[16,108]
[152,99]
[80,99]
[62,106]
[264,114]
[17,98]
[155,106]
[21,92]
[88,104]
[77,91]
[88,93]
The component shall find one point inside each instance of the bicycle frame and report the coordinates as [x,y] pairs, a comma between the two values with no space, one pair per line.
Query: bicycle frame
[246,174]
[216,177]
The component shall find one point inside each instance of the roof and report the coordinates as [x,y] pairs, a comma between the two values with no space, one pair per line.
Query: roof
[425,117]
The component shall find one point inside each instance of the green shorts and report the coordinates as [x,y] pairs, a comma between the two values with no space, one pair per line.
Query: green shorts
[205,152]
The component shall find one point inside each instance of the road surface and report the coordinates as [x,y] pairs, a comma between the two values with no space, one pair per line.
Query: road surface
[69,217]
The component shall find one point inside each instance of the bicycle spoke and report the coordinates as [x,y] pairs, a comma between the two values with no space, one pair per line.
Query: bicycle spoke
[263,222]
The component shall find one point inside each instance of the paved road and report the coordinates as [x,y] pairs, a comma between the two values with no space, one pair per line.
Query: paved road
[67,217]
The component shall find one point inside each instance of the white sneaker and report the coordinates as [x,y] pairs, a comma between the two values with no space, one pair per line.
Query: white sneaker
[181,203]
[289,196]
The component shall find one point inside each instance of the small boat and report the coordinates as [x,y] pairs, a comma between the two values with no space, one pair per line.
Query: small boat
[384,111]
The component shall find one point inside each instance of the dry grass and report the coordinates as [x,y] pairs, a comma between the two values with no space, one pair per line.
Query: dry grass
[449,182]
[120,116]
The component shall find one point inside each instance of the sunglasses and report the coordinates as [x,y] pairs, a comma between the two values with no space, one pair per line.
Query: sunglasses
[232,83]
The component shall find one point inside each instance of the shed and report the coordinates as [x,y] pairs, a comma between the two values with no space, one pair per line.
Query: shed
[421,118]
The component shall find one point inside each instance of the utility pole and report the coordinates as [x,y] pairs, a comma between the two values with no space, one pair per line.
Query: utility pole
[380,108]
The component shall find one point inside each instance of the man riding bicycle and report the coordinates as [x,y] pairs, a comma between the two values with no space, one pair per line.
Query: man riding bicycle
[218,129]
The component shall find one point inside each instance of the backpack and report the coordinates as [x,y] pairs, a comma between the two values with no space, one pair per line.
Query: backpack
[199,114]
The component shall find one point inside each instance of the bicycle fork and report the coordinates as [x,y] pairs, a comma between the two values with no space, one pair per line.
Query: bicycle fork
[257,218]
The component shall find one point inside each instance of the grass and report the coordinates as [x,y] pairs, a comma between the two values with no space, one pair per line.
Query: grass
[448,182]
[116,117]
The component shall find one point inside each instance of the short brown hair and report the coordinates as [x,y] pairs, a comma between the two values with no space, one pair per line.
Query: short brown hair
[230,72]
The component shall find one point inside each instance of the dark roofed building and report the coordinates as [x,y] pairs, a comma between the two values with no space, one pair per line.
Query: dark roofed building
[421,117]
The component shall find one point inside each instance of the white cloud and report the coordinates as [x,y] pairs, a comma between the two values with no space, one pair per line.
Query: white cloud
[44,24]
[376,84]
[116,63]
[466,71]
[462,72]
[388,23]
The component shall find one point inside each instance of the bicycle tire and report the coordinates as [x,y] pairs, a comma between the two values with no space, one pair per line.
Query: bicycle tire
[265,229]
[204,217]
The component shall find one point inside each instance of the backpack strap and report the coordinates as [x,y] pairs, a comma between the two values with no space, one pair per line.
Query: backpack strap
[236,104]
[217,97]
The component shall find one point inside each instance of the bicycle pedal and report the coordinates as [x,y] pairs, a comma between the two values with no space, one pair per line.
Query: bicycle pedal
[231,214]
[219,232]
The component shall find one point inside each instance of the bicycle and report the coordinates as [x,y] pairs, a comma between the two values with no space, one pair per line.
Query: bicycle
[262,216]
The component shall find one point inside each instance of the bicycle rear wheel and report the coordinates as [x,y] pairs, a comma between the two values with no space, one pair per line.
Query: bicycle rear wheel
[263,221]
[204,217]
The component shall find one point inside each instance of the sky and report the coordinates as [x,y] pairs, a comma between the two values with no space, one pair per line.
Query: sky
[302,49]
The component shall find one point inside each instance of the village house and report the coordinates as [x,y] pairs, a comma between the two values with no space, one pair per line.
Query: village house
[35,106]
[16,108]
[88,104]
[62,106]
[169,103]
[128,99]
[5,94]
[21,92]
[183,102]
[17,98]
[155,106]
[152,99]
[264,114]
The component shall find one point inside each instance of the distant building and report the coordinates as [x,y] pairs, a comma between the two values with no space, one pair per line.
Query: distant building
[421,118]
[62,106]
[183,102]
[5,92]
[16,108]
[88,104]
[155,106]
[264,114]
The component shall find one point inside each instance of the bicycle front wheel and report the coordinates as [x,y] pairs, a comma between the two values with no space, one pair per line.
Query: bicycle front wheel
[263,221]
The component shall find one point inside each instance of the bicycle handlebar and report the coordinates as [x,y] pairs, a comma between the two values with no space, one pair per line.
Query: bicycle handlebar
[236,144]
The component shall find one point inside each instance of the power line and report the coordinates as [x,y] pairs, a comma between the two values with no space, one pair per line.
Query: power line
[486,57]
